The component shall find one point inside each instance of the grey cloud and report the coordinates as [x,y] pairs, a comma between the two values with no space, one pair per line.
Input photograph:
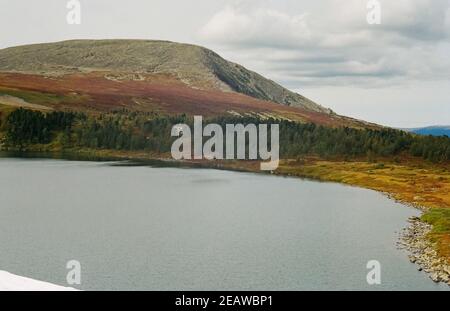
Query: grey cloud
[339,46]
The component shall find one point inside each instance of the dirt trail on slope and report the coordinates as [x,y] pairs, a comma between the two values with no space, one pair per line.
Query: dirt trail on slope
[18,102]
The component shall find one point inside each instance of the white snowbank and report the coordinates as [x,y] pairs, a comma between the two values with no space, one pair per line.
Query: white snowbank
[11,282]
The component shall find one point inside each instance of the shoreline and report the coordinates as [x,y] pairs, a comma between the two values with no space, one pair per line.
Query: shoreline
[422,251]
[414,238]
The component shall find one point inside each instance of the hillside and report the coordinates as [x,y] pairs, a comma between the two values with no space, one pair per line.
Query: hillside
[196,66]
[98,76]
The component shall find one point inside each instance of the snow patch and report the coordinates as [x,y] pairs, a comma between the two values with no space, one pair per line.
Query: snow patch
[11,282]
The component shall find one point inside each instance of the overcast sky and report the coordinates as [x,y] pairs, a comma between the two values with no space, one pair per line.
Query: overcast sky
[396,73]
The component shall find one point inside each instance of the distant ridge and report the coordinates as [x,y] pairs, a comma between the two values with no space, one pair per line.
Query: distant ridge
[431,130]
[196,66]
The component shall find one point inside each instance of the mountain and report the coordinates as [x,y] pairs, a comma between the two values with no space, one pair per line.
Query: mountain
[148,76]
[194,65]
[431,130]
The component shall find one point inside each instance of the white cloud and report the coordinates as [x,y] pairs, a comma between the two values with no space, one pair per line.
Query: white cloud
[334,44]
[260,27]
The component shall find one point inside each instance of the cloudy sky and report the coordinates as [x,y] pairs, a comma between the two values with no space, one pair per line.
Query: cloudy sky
[396,73]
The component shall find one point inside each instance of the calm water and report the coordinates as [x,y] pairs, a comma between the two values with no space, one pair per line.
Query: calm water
[143,228]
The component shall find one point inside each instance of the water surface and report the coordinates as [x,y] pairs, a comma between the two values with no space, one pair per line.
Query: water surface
[148,228]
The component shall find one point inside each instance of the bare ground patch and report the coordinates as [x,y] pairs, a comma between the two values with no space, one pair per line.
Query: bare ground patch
[12,101]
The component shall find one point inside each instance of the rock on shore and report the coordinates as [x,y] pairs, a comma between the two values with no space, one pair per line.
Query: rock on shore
[422,251]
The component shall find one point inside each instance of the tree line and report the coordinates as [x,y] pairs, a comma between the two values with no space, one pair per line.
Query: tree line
[25,126]
[124,130]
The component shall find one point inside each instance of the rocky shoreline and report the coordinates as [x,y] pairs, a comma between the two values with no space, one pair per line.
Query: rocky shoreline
[423,252]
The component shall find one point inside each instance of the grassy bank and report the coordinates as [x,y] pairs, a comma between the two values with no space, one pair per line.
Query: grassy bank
[440,219]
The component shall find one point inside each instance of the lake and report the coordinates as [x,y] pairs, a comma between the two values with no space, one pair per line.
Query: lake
[161,228]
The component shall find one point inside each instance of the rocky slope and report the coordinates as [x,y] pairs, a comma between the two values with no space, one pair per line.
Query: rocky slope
[196,66]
